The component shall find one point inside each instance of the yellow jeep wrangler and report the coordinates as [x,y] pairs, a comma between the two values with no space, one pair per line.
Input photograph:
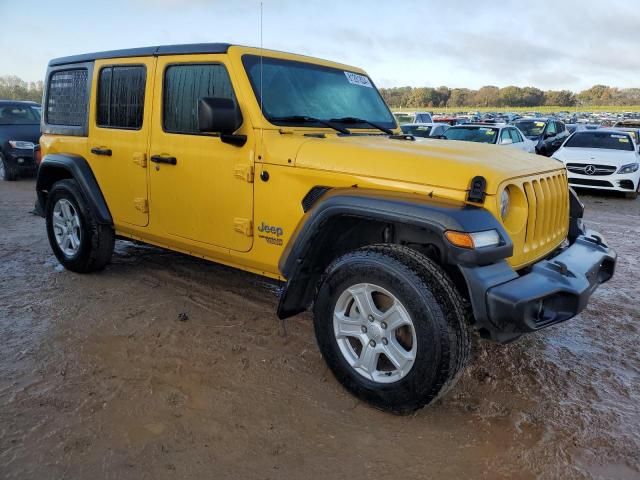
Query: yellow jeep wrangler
[294,168]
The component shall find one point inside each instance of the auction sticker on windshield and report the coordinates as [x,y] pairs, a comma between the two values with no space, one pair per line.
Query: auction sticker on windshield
[356,79]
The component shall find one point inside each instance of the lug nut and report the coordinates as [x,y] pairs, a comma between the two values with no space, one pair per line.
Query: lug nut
[370,317]
[372,343]
[383,325]
[385,341]
[364,329]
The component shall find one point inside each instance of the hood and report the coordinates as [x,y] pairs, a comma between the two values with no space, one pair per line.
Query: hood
[27,133]
[439,163]
[596,155]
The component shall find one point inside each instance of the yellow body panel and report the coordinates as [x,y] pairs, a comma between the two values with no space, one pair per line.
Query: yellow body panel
[199,206]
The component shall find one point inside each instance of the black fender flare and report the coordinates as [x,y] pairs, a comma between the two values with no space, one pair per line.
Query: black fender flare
[58,166]
[311,249]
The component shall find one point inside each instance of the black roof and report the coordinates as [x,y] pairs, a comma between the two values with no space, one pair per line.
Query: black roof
[144,52]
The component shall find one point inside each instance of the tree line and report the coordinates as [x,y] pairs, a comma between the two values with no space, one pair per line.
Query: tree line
[14,88]
[511,96]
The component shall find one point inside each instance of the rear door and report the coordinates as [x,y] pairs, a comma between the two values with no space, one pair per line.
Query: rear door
[201,187]
[119,129]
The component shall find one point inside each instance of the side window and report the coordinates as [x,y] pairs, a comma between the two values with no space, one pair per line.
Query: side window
[67,98]
[515,135]
[121,97]
[504,135]
[560,127]
[551,128]
[184,85]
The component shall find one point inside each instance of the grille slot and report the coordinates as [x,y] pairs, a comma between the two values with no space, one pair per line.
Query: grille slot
[548,205]
[589,182]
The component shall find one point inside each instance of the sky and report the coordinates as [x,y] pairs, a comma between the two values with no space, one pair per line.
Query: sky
[458,43]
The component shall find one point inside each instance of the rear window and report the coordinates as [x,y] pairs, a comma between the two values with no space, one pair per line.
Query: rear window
[19,115]
[121,97]
[416,130]
[67,98]
[472,134]
[594,139]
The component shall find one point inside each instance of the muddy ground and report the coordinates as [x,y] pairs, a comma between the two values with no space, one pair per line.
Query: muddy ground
[100,379]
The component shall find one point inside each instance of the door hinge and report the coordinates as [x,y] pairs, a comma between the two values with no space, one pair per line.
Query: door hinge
[140,159]
[244,172]
[243,226]
[141,204]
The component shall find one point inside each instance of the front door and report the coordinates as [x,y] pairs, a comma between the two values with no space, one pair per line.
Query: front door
[201,188]
[119,135]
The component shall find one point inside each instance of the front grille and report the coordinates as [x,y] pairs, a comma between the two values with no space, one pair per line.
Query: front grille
[587,182]
[547,220]
[590,169]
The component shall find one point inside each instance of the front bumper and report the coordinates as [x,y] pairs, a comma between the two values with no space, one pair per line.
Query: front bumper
[21,158]
[620,182]
[506,304]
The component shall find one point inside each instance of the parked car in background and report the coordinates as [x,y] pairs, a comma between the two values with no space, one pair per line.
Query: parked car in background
[578,127]
[19,134]
[548,134]
[604,159]
[424,129]
[413,117]
[507,135]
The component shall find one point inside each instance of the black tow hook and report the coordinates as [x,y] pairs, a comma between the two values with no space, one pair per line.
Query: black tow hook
[562,268]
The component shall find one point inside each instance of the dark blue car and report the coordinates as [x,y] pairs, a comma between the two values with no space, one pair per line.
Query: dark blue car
[19,134]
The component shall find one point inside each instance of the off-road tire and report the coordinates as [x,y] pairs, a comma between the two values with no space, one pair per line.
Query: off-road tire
[438,312]
[10,172]
[96,240]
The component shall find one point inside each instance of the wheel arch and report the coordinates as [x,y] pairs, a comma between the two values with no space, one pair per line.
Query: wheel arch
[60,166]
[342,220]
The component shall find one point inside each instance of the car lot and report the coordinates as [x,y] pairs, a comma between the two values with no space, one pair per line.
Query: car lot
[166,366]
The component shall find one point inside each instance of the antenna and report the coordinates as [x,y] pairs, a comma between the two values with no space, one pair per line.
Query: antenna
[261,90]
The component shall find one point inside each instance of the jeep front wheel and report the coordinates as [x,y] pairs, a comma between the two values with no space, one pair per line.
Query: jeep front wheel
[391,326]
[80,243]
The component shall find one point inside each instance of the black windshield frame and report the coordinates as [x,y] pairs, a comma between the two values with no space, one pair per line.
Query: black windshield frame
[250,60]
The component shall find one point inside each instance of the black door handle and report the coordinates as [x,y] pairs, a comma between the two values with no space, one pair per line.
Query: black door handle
[101,151]
[163,159]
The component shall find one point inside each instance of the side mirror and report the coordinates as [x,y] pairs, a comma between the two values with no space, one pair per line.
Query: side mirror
[218,115]
[506,141]
[223,116]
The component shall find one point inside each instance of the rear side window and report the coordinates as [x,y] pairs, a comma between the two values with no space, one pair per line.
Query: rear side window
[121,97]
[184,85]
[515,135]
[67,98]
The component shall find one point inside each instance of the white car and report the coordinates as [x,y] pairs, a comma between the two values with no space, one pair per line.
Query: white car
[604,159]
[424,129]
[499,134]
[413,117]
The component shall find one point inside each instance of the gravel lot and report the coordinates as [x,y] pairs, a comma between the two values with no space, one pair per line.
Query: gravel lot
[100,379]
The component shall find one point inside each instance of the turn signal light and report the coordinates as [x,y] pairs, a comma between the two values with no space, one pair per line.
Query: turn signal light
[488,238]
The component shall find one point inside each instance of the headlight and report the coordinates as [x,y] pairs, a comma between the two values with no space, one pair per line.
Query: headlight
[632,167]
[21,145]
[504,203]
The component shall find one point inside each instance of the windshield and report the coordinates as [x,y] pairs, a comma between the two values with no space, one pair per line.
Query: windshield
[416,130]
[297,89]
[531,128]
[610,141]
[19,115]
[472,134]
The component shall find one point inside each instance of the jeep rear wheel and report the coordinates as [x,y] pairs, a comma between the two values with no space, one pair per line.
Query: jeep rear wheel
[391,326]
[77,240]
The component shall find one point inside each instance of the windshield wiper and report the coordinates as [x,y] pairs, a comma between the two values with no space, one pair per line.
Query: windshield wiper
[305,119]
[361,120]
